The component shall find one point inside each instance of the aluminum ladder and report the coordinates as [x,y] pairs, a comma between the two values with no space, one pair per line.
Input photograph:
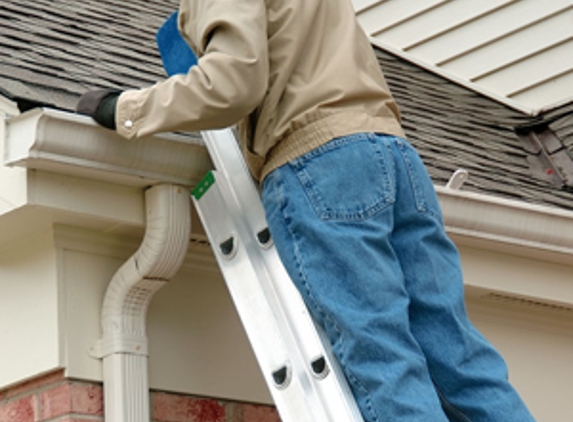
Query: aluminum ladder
[302,374]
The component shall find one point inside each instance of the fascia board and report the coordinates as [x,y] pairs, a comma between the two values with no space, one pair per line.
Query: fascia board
[528,228]
[8,107]
[67,143]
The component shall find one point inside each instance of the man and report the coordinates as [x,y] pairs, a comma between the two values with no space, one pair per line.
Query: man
[349,203]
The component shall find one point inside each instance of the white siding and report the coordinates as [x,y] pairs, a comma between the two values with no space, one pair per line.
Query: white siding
[29,327]
[196,342]
[518,49]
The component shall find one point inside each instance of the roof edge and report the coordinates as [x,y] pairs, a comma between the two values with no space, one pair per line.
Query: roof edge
[67,143]
[507,222]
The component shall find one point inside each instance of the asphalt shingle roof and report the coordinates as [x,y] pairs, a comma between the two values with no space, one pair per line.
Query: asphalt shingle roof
[454,127]
[58,49]
[54,50]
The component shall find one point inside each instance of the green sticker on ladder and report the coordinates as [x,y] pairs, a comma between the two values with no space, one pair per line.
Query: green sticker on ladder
[203,186]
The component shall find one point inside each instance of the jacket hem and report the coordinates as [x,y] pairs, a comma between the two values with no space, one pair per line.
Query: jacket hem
[320,132]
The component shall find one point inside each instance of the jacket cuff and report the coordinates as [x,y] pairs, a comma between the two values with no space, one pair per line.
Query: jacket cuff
[128,112]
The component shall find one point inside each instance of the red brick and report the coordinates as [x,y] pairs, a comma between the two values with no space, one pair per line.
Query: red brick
[22,410]
[72,398]
[56,401]
[87,399]
[176,408]
[27,386]
[255,413]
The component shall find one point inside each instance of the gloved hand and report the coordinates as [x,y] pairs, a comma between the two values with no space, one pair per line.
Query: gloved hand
[100,104]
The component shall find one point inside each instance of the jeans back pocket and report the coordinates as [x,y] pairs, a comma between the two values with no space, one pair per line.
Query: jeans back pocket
[350,178]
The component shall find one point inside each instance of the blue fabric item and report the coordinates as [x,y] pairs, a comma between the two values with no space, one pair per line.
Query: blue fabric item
[175,53]
[358,226]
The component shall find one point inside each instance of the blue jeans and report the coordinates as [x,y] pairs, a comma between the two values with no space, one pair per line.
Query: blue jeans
[358,226]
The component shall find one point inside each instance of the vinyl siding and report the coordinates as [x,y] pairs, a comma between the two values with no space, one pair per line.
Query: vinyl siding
[519,49]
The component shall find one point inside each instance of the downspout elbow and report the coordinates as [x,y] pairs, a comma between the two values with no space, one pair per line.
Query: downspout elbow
[157,260]
[123,346]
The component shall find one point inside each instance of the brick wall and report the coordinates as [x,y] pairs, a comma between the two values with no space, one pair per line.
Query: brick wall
[53,398]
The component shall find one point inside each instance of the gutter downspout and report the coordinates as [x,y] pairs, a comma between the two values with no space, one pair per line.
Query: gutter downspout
[123,346]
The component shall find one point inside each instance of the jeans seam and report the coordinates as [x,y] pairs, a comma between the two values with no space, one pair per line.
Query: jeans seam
[451,408]
[421,205]
[353,379]
[326,317]
[299,263]
[368,397]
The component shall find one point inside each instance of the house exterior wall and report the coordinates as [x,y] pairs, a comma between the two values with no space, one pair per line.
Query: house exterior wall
[517,49]
[30,336]
[535,337]
[197,346]
[537,344]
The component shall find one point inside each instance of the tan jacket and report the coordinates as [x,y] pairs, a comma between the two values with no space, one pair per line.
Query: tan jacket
[293,73]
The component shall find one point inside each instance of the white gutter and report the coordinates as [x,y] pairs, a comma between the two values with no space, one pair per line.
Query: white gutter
[123,346]
[507,222]
[523,233]
[67,143]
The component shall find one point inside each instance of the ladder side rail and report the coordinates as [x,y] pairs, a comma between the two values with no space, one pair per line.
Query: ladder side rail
[247,286]
[228,159]
[295,321]
[299,363]
[255,312]
[238,184]
[334,386]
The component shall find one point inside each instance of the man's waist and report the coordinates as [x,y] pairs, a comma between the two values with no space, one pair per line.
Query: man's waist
[323,130]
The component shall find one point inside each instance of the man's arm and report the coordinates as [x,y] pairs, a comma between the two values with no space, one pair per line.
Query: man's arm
[228,82]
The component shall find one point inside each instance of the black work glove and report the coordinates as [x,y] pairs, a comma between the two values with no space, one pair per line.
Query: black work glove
[100,104]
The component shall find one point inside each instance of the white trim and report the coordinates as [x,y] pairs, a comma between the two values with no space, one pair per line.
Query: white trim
[8,107]
[71,142]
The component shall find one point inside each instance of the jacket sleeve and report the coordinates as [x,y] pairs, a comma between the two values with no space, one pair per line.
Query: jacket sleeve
[228,82]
